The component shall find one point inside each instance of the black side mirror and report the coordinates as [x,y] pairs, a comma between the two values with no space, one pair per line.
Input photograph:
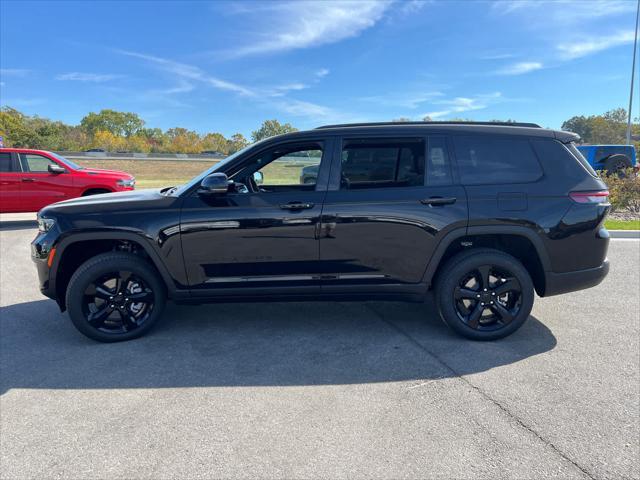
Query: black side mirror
[57,169]
[214,184]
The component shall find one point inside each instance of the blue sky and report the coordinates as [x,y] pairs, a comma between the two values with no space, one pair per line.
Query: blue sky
[227,66]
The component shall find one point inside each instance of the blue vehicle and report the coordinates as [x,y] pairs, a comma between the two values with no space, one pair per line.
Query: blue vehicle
[611,158]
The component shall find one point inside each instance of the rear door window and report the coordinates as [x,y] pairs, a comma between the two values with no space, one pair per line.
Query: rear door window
[6,163]
[487,159]
[382,163]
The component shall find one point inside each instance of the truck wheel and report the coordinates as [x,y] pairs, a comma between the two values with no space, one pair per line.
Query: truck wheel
[616,164]
[484,294]
[114,297]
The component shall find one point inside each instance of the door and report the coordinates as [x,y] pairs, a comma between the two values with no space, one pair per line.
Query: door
[386,211]
[10,183]
[41,187]
[262,234]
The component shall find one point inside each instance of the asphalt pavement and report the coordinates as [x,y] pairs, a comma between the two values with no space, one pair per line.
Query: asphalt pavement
[331,390]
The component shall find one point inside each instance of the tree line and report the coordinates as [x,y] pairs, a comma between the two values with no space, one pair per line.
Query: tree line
[125,131]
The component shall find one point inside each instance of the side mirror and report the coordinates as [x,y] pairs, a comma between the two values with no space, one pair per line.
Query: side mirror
[214,184]
[258,177]
[56,169]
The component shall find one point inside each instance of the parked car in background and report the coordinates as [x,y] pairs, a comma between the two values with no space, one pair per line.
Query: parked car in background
[611,158]
[96,150]
[483,214]
[33,179]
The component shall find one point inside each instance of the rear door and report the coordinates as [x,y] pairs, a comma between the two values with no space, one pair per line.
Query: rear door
[389,203]
[10,183]
[41,187]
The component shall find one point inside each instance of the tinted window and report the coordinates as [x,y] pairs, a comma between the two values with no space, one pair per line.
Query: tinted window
[379,163]
[35,163]
[6,165]
[438,165]
[490,160]
[583,161]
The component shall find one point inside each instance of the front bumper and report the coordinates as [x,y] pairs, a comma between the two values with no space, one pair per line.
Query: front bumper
[558,283]
[40,250]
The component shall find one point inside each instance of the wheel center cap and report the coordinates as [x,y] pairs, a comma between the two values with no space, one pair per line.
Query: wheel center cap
[118,298]
[486,297]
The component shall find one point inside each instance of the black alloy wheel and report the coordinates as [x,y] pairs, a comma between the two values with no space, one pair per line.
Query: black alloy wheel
[484,294]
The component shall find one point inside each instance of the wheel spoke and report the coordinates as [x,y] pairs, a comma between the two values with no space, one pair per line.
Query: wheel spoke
[128,320]
[505,315]
[144,297]
[511,284]
[474,316]
[122,281]
[484,271]
[462,293]
[103,293]
[97,319]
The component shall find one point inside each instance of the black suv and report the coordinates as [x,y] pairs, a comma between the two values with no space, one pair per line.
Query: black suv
[484,214]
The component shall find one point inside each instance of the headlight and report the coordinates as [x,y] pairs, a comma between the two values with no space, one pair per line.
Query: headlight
[45,224]
[130,182]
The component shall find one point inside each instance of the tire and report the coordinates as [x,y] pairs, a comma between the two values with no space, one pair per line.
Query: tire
[110,313]
[460,294]
[615,164]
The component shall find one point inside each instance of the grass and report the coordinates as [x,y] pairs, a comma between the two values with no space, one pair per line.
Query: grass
[612,224]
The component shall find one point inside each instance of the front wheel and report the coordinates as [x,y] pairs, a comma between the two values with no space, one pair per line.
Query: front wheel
[484,294]
[114,297]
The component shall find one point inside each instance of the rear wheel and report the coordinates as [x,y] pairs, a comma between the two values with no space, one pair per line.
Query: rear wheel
[114,297]
[616,164]
[484,294]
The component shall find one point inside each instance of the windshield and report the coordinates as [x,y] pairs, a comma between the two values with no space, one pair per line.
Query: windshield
[196,180]
[66,161]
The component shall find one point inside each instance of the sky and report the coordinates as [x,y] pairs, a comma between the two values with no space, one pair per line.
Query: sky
[226,66]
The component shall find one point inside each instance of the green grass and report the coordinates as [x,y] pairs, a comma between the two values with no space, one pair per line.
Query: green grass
[612,224]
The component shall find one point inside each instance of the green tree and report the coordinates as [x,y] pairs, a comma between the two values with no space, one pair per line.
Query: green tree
[608,128]
[215,142]
[236,142]
[121,124]
[271,128]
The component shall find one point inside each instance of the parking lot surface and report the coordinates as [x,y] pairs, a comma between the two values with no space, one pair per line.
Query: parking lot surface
[340,390]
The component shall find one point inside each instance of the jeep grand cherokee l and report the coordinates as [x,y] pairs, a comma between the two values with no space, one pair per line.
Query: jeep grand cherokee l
[32,179]
[483,214]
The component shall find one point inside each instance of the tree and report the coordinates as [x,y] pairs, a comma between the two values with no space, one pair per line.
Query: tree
[107,140]
[608,128]
[236,142]
[119,123]
[214,142]
[271,128]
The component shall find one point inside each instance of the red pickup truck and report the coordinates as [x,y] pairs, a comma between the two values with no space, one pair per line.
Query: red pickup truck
[33,179]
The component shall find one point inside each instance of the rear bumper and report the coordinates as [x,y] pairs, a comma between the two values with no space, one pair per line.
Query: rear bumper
[558,283]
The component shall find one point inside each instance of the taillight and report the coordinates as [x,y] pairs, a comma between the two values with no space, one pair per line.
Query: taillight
[600,196]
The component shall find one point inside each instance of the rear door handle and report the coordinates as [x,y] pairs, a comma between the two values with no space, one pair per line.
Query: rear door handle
[28,179]
[438,201]
[296,206]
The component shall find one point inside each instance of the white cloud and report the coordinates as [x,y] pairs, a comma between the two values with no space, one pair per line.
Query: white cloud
[564,11]
[589,46]
[323,72]
[87,77]
[304,24]
[465,104]
[520,68]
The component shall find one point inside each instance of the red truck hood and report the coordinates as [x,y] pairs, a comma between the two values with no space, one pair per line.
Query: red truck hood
[100,171]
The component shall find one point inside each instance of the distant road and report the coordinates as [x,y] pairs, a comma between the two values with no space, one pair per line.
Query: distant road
[170,157]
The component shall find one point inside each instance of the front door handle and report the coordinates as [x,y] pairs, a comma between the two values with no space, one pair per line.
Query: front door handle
[28,179]
[438,201]
[296,206]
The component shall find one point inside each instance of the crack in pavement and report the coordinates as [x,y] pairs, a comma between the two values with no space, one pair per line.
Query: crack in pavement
[482,393]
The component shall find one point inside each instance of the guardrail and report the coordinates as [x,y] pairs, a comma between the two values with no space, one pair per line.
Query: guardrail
[141,156]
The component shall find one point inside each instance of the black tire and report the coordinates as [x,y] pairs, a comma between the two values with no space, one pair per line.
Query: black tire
[616,164]
[117,279]
[460,294]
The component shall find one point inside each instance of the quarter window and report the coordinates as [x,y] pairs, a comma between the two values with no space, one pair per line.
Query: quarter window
[492,160]
[381,163]
[35,163]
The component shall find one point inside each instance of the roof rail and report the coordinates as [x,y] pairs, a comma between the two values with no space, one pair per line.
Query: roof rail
[376,124]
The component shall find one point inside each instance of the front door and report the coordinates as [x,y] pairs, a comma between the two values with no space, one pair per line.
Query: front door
[386,210]
[41,187]
[10,183]
[263,233]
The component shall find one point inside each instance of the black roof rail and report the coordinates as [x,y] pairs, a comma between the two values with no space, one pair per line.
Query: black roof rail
[377,124]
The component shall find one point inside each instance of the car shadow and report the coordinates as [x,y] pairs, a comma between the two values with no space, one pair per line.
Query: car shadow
[18,225]
[256,344]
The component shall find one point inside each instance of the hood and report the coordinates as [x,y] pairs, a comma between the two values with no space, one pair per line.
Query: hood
[100,171]
[117,201]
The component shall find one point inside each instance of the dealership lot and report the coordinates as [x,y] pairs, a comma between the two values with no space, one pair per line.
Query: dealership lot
[328,389]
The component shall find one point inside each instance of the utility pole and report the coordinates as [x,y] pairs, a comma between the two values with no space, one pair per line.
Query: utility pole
[633,71]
